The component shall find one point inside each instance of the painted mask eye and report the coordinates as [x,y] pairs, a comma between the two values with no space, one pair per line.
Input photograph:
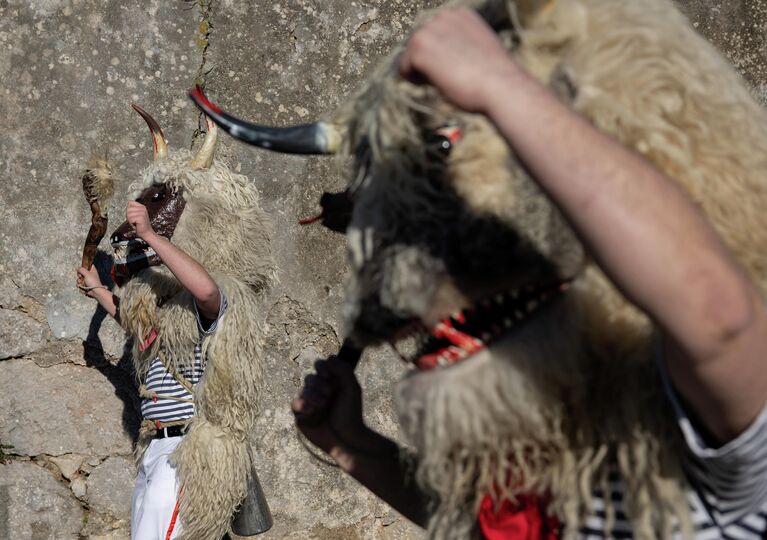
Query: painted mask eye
[445,137]
[440,145]
[440,142]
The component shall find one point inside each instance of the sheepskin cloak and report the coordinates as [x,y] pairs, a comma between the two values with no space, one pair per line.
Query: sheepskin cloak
[214,459]
[224,229]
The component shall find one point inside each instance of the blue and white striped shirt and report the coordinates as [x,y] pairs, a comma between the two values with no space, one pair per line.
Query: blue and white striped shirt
[728,499]
[160,381]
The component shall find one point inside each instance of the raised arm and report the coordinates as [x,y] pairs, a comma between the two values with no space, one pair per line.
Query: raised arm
[640,227]
[187,270]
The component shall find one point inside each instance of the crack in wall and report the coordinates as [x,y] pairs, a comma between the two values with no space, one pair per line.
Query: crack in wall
[204,30]
[365,25]
[107,522]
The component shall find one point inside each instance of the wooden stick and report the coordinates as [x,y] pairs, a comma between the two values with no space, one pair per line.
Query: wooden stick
[98,188]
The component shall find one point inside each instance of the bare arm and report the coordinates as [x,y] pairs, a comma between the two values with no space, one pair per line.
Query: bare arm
[385,476]
[334,399]
[90,285]
[187,270]
[632,218]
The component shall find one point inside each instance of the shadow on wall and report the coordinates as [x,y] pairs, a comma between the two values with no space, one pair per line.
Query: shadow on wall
[122,376]
[5,503]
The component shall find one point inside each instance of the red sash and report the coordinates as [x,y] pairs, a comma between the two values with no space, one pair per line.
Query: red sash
[525,519]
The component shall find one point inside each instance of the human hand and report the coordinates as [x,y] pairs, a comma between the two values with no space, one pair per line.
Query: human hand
[137,215]
[88,280]
[328,408]
[460,55]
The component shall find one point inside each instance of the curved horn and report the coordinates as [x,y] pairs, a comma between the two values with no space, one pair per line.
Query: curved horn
[204,157]
[158,138]
[316,138]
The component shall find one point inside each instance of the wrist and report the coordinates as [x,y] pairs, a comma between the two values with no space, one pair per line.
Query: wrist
[361,444]
[345,459]
[500,87]
[150,237]
[100,291]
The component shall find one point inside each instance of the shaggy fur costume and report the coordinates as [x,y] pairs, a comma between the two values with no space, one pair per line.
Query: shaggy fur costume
[574,390]
[223,228]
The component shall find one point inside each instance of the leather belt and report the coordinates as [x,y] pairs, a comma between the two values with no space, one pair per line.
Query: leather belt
[172,431]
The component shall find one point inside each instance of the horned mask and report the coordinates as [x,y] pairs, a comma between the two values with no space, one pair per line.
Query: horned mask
[164,204]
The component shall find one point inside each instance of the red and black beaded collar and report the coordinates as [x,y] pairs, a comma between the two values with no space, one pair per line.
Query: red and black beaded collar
[471,330]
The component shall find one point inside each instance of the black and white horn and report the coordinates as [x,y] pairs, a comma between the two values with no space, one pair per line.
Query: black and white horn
[316,138]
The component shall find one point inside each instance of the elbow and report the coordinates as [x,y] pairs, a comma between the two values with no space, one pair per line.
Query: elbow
[212,295]
[209,299]
[729,312]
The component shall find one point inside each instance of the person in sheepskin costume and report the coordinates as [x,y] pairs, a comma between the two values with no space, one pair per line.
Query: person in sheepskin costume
[195,309]
[569,222]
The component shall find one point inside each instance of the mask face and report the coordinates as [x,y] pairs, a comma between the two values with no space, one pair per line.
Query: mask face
[164,206]
[459,214]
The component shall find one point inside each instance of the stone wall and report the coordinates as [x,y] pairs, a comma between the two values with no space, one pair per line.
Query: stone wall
[71,69]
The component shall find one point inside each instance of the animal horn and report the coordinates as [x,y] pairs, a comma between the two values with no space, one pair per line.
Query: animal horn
[316,138]
[158,138]
[204,157]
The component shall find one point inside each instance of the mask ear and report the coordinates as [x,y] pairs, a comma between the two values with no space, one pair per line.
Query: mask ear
[498,13]
[336,211]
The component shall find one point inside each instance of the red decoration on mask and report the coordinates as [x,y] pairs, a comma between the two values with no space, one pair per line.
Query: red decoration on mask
[118,280]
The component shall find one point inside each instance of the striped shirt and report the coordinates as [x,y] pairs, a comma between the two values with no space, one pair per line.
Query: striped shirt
[728,495]
[160,381]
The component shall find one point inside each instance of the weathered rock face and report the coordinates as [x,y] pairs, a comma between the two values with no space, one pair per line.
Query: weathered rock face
[71,69]
[19,334]
[62,409]
[738,30]
[36,505]
[110,486]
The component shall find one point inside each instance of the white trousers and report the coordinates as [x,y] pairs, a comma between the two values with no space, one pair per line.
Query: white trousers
[155,495]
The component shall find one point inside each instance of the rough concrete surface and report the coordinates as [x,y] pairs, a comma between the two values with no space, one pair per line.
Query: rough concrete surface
[71,69]
[739,29]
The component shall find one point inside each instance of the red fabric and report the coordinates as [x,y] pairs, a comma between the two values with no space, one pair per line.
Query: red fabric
[148,341]
[524,519]
[173,519]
